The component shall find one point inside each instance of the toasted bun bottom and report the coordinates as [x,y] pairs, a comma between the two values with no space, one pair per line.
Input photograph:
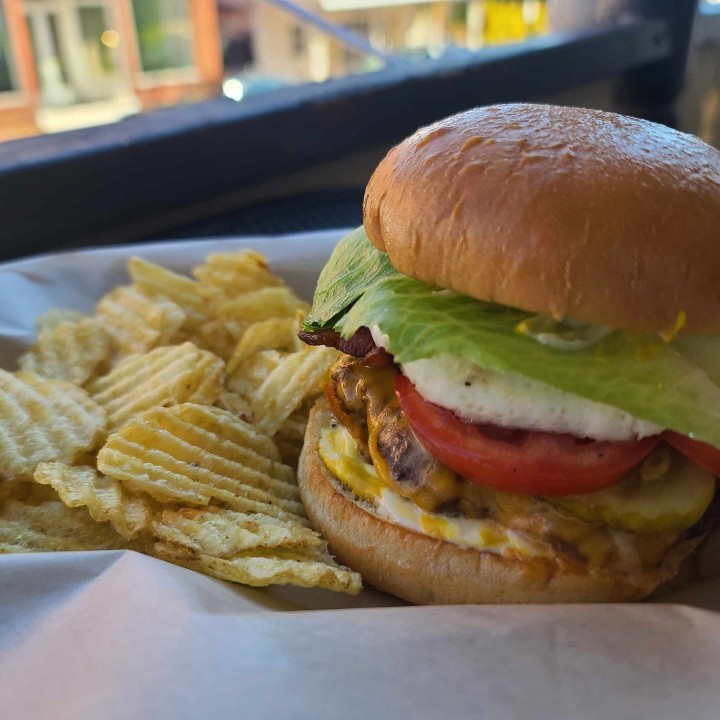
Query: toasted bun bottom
[425,570]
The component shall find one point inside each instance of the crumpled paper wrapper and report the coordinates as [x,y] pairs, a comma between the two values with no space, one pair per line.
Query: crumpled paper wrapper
[121,635]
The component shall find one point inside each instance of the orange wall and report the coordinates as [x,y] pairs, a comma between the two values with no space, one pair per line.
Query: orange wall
[17,122]
[123,15]
[17,110]
[21,47]
[207,43]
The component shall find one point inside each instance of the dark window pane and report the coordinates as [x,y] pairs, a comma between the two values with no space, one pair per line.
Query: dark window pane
[164,34]
[56,47]
[98,40]
[7,75]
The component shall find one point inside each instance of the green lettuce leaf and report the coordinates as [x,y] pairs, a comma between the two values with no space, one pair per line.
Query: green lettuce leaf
[642,375]
[703,350]
[354,266]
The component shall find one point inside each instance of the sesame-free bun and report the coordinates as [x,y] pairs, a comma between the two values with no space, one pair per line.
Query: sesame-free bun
[583,214]
[426,570]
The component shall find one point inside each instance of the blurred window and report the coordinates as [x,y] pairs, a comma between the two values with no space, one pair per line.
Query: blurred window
[298,40]
[7,74]
[320,48]
[98,40]
[73,46]
[164,34]
[352,61]
[50,60]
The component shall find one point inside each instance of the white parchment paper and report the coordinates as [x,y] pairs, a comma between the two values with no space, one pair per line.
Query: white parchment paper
[121,635]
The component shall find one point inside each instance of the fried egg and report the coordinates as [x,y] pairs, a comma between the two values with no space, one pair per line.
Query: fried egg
[515,401]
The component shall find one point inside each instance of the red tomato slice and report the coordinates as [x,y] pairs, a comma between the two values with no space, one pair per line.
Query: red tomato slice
[524,461]
[701,453]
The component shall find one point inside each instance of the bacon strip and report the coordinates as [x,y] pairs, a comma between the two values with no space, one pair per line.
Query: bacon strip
[360,345]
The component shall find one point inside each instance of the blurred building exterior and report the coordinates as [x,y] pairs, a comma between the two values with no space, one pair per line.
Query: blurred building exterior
[72,63]
[285,45]
[69,63]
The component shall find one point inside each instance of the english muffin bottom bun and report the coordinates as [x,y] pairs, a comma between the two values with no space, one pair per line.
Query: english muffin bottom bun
[528,404]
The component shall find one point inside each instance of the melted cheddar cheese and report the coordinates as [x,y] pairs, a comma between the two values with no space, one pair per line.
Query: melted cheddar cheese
[339,452]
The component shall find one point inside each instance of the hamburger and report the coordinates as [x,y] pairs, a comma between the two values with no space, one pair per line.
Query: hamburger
[528,408]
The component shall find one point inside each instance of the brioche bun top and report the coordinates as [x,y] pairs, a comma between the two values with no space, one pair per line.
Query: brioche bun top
[579,213]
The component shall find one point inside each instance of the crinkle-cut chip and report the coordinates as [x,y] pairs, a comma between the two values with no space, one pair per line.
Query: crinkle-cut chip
[253,372]
[295,425]
[708,556]
[138,323]
[69,351]
[688,574]
[260,571]
[291,436]
[87,458]
[258,305]
[290,450]
[319,553]
[288,385]
[225,275]
[234,403]
[43,420]
[26,490]
[165,376]
[224,533]
[195,455]
[55,316]
[211,431]
[14,489]
[156,281]
[278,334]
[51,526]
[105,498]
[218,337]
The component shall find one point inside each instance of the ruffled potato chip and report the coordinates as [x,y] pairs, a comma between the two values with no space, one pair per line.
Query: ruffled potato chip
[195,455]
[225,533]
[189,471]
[70,351]
[165,376]
[44,420]
[51,526]
[105,499]
[157,282]
[138,323]
[272,569]
[294,379]
[224,276]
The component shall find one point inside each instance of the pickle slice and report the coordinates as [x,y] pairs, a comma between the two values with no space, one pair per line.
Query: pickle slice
[674,500]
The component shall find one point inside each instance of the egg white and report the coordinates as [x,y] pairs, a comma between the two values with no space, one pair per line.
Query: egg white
[515,401]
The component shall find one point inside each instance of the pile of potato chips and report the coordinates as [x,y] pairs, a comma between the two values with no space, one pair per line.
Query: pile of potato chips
[170,423]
